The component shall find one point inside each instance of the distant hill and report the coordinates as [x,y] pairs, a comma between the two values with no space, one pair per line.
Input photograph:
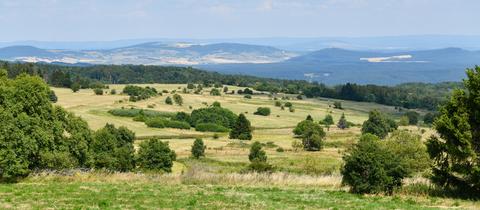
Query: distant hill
[152,53]
[336,66]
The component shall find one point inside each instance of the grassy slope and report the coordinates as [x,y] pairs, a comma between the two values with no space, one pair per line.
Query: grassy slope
[217,182]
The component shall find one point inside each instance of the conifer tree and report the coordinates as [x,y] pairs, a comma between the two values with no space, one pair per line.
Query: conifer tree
[242,129]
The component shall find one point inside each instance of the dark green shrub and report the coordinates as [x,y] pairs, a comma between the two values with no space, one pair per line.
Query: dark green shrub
[158,122]
[428,118]
[113,92]
[242,129]
[412,117]
[52,96]
[377,124]
[371,168]
[155,122]
[137,93]
[178,99]
[155,155]
[32,130]
[98,91]
[337,105]
[258,158]
[177,124]
[182,116]
[343,123]
[210,127]
[75,87]
[198,149]
[215,92]
[288,104]
[112,149]
[216,115]
[280,149]
[247,96]
[168,100]
[278,103]
[264,111]
[137,112]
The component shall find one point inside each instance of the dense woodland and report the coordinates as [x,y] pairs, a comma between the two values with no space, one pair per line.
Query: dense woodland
[410,95]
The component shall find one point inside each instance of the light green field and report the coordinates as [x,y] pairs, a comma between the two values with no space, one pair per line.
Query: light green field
[305,180]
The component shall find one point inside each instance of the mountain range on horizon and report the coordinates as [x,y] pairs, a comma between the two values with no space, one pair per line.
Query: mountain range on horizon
[326,65]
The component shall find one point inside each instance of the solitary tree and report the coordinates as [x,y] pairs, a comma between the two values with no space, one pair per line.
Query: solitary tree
[178,99]
[155,155]
[75,87]
[328,121]
[198,148]
[258,158]
[242,129]
[456,150]
[309,117]
[168,100]
[342,123]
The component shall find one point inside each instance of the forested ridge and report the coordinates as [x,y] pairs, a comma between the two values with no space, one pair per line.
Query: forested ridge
[408,95]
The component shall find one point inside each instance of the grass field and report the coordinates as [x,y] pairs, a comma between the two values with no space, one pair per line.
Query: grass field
[303,180]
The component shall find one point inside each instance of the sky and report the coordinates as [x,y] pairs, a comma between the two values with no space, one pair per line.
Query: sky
[102,20]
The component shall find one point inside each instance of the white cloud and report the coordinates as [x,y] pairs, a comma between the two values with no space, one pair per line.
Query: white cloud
[266,5]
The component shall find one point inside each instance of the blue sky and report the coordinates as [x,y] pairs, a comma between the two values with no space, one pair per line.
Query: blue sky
[88,20]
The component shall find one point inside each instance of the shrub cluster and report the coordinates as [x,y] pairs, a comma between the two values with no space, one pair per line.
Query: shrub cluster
[159,122]
[210,127]
[138,93]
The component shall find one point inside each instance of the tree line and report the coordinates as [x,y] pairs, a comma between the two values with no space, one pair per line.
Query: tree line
[409,95]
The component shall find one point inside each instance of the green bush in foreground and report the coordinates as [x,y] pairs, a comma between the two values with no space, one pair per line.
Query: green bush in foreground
[198,149]
[456,151]
[371,168]
[32,130]
[155,155]
[258,158]
[112,149]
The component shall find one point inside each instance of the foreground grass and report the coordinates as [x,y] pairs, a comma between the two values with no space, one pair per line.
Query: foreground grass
[200,190]
[127,195]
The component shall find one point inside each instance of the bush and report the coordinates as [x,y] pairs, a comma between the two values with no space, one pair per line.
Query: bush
[264,111]
[137,112]
[32,130]
[280,149]
[112,149]
[155,155]
[113,92]
[198,149]
[137,93]
[371,168]
[258,158]
[337,105]
[182,116]
[210,127]
[278,103]
[75,87]
[215,115]
[377,124]
[158,122]
[168,100]
[155,122]
[343,123]
[98,91]
[52,96]
[215,92]
[429,118]
[247,96]
[288,104]
[410,148]
[412,117]
[242,129]
[178,99]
